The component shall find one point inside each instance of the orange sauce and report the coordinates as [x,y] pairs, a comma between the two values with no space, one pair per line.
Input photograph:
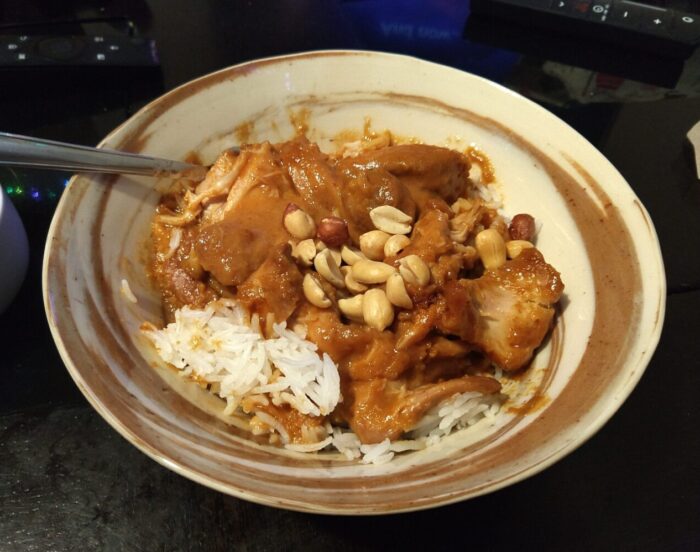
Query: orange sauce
[478,157]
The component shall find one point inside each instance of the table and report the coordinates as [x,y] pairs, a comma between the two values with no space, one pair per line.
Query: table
[70,482]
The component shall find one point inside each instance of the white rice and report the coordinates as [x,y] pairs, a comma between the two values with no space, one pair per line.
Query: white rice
[219,346]
[222,346]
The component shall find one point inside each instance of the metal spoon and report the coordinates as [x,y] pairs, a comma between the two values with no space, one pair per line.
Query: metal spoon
[24,151]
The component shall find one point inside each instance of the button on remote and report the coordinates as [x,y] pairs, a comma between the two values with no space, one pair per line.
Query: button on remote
[686,26]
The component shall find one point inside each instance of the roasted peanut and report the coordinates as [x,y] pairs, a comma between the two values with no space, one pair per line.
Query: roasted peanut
[298,223]
[377,311]
[396,292]
[491,247]
[391,220]
[371,272]
[325,265]
[314,292]
[304,251]
[395,244]
[372,244]
[351,284]
[414,270]
[515,247]
[522,227]
[333,231]
[352,307]
[351,255]
[337,257]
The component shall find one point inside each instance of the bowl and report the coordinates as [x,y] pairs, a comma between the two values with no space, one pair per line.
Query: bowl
[594,230]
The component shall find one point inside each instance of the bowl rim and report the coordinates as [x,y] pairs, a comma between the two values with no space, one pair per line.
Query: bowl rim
[609,409]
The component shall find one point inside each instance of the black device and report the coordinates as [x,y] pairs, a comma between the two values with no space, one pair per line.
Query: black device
[43,34]
[665,27]
[76,50]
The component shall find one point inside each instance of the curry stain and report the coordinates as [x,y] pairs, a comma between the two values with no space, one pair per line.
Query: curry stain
[533,404]
[299,119]
[477,157]
[244,131]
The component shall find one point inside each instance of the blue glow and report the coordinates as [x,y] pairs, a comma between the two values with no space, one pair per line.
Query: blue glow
[65,182]
[35,194]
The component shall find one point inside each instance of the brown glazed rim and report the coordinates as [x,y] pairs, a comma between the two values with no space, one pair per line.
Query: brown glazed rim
[617,314]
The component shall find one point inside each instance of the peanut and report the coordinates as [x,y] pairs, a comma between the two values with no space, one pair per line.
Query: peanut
[304,251]
[515,247]
[396,292]
[325,265]
[351,284]
[522,227]
[372,244]
[391,220]
[314,292]
[333,231]
[352,307]
[491,247]
[298,223]
[377,311]
[371,272]
[351,255]
[414,270]
[395,245]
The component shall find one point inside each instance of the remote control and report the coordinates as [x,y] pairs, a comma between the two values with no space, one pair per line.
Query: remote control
[632,24]
[72,50]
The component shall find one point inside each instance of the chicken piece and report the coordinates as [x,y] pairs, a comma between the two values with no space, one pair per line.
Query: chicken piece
[457,315]
[427,171]
[431,236]
[236,235]
[515,308]
[367,188]
[361,352]
[380,409]
[414,325]
[175,273]
[275,287]
[469,213]
[314,179]
[234,176]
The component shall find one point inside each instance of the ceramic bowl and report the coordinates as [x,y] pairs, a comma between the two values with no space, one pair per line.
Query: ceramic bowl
[594,230]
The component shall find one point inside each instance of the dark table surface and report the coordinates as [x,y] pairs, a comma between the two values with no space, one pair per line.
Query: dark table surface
[69,482]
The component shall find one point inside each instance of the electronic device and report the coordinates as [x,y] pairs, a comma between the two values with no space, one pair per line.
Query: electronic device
[76,50]
[664,27]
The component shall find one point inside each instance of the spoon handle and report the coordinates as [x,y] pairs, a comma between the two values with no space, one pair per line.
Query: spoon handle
[24,151]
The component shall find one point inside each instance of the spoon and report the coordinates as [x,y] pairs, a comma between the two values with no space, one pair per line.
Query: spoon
[25,151]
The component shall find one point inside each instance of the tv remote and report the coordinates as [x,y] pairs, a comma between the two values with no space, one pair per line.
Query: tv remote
[76,50]
[625,22]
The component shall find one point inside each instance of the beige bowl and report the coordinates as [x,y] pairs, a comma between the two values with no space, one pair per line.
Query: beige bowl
[594,230]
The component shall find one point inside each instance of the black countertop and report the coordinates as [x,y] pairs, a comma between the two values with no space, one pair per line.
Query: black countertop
[69,482]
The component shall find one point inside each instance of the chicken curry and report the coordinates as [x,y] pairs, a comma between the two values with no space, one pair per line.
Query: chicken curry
[397,268]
